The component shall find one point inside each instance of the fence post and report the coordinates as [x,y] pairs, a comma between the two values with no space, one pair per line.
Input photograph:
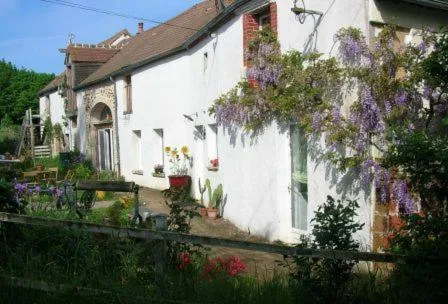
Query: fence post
[161,224]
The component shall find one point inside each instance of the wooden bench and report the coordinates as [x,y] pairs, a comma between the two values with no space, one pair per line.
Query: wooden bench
[90,188]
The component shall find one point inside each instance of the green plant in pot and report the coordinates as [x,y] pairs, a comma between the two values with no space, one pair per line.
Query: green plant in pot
[203,209]
[215,198]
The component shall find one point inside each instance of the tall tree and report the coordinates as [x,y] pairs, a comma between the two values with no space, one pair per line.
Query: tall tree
[19,89]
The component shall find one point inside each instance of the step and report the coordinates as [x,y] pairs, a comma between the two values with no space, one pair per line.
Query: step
[42,151]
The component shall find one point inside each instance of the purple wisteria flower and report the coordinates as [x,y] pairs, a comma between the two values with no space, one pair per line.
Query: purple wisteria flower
[336,114]
[317,119]
[400,192]
[387,108]
[422,47]
[401,98]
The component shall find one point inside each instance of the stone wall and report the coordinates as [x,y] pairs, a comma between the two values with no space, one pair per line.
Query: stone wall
[93,97]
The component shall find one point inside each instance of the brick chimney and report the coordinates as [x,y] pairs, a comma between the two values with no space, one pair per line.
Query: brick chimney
[140,28]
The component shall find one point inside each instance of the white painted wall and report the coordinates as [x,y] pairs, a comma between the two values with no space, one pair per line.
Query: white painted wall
[255,172]
[53,106]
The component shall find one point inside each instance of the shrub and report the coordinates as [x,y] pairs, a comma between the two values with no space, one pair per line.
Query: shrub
[334,225]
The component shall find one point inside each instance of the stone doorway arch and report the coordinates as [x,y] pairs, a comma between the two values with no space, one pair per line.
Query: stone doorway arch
[102,136]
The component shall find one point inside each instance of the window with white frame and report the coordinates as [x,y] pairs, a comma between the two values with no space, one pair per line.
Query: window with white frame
[137,148]
[299,178]
[158,153]
[128,94]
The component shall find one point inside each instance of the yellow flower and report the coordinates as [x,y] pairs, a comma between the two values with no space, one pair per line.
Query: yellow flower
[167,149]
[174,153]
[185,150]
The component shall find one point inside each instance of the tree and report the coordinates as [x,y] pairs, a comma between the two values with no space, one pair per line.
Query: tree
[19,90]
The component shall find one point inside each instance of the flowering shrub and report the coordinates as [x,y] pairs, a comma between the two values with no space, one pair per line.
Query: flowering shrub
[179,161]
[184,260]
[389,87]
[231,266]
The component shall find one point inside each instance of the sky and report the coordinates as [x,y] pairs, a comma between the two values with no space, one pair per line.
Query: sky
[33,31]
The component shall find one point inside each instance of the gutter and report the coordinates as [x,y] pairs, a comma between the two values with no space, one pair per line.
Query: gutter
[434,4]
[205,30]
[117,138]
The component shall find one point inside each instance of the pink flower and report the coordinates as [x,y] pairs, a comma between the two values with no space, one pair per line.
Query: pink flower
[235,266]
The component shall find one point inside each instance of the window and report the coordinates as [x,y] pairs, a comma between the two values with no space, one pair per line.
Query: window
[264,20]
[128,93]
[137,147]
[212,147]
[158,148]
[299,178]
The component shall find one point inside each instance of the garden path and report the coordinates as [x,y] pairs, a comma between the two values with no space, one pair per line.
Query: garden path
[261,264]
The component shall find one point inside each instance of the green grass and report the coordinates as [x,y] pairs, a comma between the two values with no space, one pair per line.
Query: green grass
[9,138]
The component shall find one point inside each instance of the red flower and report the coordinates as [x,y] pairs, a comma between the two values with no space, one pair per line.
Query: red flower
[235,266]
[184,260]
[214,162]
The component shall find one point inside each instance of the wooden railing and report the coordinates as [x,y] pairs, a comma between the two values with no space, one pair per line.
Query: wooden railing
[161,234]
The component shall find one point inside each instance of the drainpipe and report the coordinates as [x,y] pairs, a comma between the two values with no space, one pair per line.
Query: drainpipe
[117,141]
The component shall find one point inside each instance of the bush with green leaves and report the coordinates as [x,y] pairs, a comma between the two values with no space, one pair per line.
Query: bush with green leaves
[325,280]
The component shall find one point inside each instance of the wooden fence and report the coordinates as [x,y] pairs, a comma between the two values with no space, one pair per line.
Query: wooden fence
[162,235]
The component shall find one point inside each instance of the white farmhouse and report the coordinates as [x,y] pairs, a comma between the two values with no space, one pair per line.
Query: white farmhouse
[156,92]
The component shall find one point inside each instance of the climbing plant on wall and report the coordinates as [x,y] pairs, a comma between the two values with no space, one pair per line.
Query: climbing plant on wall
[363,102]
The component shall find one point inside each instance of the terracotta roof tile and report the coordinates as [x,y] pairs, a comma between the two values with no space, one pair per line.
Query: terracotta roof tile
[158,40]
[53,85]
[91,54]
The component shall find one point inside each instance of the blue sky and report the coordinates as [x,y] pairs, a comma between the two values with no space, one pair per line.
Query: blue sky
[32,31]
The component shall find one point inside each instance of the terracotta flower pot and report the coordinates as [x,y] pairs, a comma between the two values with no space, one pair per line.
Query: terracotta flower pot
[203,212]
[212,213]
[40,167]
[179,181]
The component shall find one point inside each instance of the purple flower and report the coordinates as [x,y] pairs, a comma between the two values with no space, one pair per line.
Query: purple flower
[366,166]
[402,197]
[336,114]
[387,108]
[401,98]
[37,189]
[422,47]
[427,92]
[316,121]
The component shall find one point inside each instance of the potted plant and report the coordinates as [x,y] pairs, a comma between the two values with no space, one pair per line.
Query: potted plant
[214,164]
[40,167]
[214,199]
[158,169]
[179,161]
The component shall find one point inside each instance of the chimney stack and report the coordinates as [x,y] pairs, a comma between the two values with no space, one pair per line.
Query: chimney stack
[140,28]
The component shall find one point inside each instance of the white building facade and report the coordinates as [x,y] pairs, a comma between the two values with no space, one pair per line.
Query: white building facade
[171,97]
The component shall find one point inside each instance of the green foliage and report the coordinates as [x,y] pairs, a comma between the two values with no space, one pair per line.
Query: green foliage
[334,225]
[19,89]
[215,196]
[201,190]
[7,202]
[421,279]
[48,130]
[82,171]
[9,138]
[424,159]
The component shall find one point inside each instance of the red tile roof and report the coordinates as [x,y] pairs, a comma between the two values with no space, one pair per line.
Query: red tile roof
[53,85]
[158,40]
[90,54]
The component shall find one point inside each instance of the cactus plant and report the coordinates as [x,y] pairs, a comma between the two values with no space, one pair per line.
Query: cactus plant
[209,190]
[201,190]
[216,197]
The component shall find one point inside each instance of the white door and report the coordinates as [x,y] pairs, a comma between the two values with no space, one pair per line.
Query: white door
[105,154]
[299,178]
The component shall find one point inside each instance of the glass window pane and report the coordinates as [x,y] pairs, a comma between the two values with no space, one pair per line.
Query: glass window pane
[299,178]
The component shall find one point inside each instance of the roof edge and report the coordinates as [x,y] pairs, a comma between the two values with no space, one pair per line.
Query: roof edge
[215,22]
[44,92]
[434,4]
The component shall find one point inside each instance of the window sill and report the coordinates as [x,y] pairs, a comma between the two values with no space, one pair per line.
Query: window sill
[159,175]
[127,112]
[213,168]
[137,172]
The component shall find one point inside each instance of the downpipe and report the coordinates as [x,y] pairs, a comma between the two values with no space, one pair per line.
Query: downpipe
[117,141]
